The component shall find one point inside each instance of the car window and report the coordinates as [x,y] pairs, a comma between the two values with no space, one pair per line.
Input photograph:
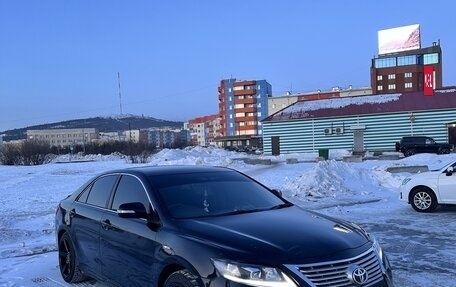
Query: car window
[83,196]
[429,141]
[212,194]
[130,189]
[101,190]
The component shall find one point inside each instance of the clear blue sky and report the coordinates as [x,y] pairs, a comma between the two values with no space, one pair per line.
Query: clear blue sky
[59,59]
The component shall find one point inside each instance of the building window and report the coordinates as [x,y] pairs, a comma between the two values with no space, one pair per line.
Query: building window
[258,96]
[391,76]
[431,58]
[379,77]
[231,116]
[380,88]
[231,125]
[407,60]
[230,107]
[259,87]
[385,62]
[391,86]
[259,114]
[407,75]
[229,90]
[230,98]
[259,105]
[408,85]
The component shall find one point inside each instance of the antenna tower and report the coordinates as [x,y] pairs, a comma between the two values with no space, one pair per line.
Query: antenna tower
[120,95]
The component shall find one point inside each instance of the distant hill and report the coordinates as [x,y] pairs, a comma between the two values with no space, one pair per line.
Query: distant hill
[103,124]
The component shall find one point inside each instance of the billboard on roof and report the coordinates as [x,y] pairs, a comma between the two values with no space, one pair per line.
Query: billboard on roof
[399,39]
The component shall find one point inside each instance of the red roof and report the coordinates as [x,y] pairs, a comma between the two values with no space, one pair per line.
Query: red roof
[363,105]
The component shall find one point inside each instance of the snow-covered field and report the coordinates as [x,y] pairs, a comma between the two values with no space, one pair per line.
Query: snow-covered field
[421,247]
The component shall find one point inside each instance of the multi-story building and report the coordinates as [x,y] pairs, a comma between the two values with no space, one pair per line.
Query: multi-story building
[169,138]
[242,105]
[137,136]
[402,65]
[64,137]
[112,136]
[203,130]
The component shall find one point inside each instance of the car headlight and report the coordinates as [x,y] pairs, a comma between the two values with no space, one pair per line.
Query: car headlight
[407,179]
[253,275]
[377,248]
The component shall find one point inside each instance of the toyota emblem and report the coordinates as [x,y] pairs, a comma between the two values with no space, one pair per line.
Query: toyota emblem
[357,275]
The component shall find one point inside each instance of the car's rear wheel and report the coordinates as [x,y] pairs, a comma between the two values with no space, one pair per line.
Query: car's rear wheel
[68,262]
[182,278]
[423,200]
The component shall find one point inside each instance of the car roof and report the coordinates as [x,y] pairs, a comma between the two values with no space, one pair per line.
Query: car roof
[169,169]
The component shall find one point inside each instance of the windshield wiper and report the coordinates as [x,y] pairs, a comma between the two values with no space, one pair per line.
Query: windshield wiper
[241,211]
[283,205]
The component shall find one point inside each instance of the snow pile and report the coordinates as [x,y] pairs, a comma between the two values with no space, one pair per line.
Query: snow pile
[212,156]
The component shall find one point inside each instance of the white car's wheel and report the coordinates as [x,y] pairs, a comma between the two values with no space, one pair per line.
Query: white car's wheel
[423,200]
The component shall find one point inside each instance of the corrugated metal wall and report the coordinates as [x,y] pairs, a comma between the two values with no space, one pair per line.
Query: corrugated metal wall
[381,131]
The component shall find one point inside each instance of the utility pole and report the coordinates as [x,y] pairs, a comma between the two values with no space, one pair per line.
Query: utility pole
[120,95]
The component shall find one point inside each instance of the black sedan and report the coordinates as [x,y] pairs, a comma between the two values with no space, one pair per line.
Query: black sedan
[190,226]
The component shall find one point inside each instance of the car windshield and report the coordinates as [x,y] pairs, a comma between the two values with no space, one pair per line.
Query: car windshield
[213,194]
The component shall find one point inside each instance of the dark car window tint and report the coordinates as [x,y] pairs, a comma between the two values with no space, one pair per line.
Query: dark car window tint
[212,194]
[129,190]
[100,191]
[83,196]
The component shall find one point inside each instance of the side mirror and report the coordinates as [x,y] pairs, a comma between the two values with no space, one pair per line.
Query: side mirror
[449,171]
[132,210]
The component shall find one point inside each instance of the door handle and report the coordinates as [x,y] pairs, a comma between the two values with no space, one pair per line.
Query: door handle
[106,224]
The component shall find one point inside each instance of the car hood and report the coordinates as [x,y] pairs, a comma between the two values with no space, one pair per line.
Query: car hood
[290,234]
[432,174]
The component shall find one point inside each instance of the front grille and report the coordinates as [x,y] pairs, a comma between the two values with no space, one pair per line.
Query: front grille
[334,274]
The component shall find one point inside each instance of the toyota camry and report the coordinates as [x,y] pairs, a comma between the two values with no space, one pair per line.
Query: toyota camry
[193,226]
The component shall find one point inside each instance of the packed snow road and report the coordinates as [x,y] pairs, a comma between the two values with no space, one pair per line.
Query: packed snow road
[420,246]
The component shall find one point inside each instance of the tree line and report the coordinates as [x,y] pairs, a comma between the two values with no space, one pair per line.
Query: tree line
[36,152]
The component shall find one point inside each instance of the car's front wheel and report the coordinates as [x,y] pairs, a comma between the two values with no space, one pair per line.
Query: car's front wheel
[423,200]
[68,261]
[409,152]
[182,278]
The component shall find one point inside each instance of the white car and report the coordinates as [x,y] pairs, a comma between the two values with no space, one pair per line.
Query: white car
[424,191]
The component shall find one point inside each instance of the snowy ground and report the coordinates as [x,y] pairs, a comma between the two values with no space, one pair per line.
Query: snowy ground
[421,247]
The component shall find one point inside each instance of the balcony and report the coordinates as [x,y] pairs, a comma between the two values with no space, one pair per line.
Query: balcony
[244,92]
[245,110]
[246,119]
[245,101]
[244,83]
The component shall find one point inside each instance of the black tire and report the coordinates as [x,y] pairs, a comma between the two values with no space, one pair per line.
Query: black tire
[423,199]
[68,263]
[182,278]
[409,152]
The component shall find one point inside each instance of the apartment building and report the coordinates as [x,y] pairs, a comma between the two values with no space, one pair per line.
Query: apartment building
[64,137]
[242,105]
[204,130]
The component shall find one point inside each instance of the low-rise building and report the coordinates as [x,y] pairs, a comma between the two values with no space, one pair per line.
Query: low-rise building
[373,122]
[64,137]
